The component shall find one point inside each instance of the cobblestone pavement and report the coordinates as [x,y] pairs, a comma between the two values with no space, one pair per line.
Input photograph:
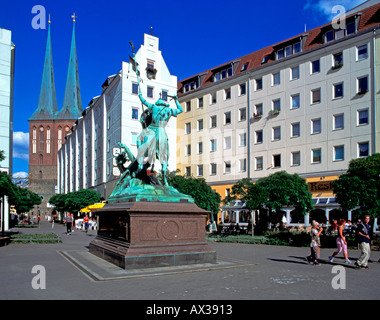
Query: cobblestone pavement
[243,272]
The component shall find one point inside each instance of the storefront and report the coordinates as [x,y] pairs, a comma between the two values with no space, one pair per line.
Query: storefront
[235,213]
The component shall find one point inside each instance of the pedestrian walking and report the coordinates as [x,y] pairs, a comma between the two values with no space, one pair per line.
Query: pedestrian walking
[69,222]
[86,222]
[341,242]
[315,243]
[364,233]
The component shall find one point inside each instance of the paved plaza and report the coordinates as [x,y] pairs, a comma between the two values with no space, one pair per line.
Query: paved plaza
[242,272]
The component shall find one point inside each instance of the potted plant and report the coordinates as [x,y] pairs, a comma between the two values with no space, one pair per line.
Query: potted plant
[151,72]
[274,112]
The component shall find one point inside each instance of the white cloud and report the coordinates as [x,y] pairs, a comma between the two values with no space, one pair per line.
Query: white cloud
[20,174]
[324,8]
[21,145]
[21,138]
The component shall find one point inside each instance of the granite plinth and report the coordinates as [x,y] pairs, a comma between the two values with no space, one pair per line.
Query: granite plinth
[152,234]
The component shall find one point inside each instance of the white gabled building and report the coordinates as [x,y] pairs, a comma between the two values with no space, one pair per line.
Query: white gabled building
[86,157]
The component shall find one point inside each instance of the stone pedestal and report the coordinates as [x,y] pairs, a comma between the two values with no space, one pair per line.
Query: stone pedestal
[152,234]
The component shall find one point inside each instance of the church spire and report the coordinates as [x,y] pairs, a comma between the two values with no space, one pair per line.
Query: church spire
[72,103]
[47,102]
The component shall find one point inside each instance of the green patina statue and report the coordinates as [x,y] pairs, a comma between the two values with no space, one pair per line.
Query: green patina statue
[135,182]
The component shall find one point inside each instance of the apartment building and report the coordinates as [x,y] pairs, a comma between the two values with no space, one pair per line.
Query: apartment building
[307,105]
[7,64]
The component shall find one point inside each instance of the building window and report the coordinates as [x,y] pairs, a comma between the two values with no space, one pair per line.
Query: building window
[187,171]
[227,143]
[213,98]
[288,50]
[316,96]
[244,67]
[212,145]
[276,80]
[227,94]
[242,114]
[259,84]
[164,95]
[200,102]
[223,74]
[41,159]
[276,105]
[200,147]
[296,158]
[213,122]
[242,139]
[295,101]
[276,133]
[259,136]
[227,117]
[363,149]
[200,170]
[363,117]
[280,54]
[338,153]
[362,85]
[350,28]
[276,160]
[316,155]
[258,110]
[188,128]
[259,163]
[213,169]
[135,88]
[192,85]
[315,66]
[338,91]
[338,122]
[295,73]
[337,60]
[243,89]
[295,129]
[150,92]
[135,113]
[243,165]
[316,126]
[40,174]
[329,36]
[200,124]
[188,150]
[188,106]
[362,52]
[227,167]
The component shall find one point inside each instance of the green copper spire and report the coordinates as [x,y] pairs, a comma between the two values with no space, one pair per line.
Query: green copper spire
[47,102]
[72,103]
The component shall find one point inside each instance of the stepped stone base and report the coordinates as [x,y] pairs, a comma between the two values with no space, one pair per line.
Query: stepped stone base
[152,234]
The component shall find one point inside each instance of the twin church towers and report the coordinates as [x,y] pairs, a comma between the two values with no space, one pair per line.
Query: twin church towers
[49,125]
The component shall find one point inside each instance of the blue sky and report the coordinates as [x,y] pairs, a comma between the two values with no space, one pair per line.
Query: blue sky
[194,36]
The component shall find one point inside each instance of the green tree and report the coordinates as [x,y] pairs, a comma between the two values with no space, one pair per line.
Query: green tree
[58,201]
[360,186]
[204,197]
[24,200]
[253,195]
[79,199]
[284,189]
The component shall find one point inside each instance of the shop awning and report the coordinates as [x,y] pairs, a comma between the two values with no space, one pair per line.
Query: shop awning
[92,207]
